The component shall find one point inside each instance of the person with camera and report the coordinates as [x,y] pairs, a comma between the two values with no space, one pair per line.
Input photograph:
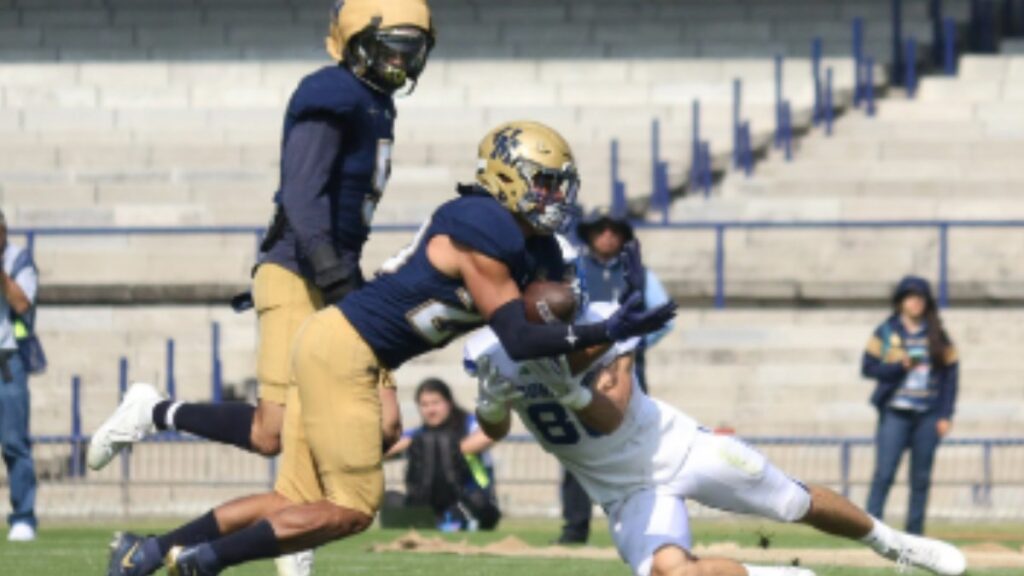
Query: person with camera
[915,366]
[18,283]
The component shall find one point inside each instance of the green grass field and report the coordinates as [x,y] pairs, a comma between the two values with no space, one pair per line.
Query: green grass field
[80,550]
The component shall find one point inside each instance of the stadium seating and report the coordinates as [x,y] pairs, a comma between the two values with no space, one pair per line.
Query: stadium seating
[139,115]
[951,153]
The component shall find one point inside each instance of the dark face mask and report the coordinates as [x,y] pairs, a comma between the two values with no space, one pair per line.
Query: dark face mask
[391,59]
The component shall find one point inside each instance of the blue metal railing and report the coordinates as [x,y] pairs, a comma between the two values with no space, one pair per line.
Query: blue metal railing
[979,477]
[720,229]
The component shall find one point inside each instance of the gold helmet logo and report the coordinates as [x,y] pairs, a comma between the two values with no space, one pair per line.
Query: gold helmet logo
[530,169]
[350,17]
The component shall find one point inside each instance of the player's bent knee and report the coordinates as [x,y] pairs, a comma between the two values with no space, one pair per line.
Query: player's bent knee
[674,561]
[346,522]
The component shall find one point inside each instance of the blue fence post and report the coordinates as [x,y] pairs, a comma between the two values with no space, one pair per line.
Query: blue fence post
[986,462]
[897,40]
[655,157]
[844,467]
[858,61]
[748,150]
[122,389]
[695,144]
[778,100]
[869,84]
[816,49]
[829,105]
[935,15]
[77,470]
[719,266]
[665,199]
[787,130]
[989,27]
[30,243]
[217,385]
[619,201]
[706,168]
[944,265]
[910,68]
[949,47]
[737,100]
[122,377]
[171,384]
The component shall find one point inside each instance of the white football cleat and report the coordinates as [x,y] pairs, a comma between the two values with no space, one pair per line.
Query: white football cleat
[933,555]
[21,532]
[131,422]
[297,564]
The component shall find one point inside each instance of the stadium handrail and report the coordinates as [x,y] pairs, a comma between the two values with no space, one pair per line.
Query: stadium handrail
[719,228]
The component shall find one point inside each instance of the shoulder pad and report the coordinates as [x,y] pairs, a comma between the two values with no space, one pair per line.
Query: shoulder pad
[482,224]
[330,90]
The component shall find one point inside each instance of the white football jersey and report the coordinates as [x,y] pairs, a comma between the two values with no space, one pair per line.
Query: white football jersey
[648,448]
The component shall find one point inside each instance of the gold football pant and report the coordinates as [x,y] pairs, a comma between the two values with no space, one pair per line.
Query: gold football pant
[283,301]
[332,439]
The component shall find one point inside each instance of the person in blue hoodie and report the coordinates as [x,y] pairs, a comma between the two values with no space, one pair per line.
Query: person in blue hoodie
[914,363]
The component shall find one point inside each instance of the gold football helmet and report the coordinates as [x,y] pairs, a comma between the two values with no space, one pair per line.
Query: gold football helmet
[530,169]
[384,42]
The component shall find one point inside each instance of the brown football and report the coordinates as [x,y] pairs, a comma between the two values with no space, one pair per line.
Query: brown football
[546,300]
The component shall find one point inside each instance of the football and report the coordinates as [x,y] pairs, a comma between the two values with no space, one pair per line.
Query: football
[548,302]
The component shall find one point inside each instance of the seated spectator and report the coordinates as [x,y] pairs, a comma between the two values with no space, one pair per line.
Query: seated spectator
[449,468]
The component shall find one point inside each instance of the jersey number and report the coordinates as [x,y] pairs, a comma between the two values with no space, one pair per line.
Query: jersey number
[381,174]
[553,424]
[438,323]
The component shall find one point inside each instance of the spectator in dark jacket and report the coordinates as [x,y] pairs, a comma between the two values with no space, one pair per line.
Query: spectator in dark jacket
[914,363]
[449,467]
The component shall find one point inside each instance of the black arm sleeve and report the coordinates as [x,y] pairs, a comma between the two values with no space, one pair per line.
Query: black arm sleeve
[524,340]
[308,158]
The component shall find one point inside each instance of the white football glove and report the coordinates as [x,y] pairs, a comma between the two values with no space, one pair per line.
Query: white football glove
[494,392]
[555,374]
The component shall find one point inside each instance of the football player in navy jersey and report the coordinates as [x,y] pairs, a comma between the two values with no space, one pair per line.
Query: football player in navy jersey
[465,268]
[335,163]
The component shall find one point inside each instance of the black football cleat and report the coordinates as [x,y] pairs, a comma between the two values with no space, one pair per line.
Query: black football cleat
[128,556]
[182,561]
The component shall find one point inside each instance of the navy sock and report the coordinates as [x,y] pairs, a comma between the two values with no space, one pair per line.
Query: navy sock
[160,414]
[198,531]
[224,422]
[257,542]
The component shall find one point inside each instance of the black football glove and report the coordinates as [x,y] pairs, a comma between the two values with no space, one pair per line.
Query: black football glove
[632,319]
[634,274]
[334,276]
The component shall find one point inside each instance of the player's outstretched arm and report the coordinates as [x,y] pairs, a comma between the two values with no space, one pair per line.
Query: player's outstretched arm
[499,300]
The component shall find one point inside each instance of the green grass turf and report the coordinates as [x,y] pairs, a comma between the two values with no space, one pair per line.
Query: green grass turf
[81,550]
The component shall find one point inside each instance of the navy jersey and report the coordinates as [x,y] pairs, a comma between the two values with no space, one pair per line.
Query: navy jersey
[412,308]
[353,175]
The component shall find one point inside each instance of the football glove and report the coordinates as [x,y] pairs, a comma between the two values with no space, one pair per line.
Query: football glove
[494,392]
[634,275]
[555,374]
[632,319]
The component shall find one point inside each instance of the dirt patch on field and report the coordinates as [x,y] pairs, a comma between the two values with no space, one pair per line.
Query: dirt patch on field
[982,555]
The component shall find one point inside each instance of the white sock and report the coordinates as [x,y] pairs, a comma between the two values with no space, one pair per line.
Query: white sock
[882,538]
[169,417]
